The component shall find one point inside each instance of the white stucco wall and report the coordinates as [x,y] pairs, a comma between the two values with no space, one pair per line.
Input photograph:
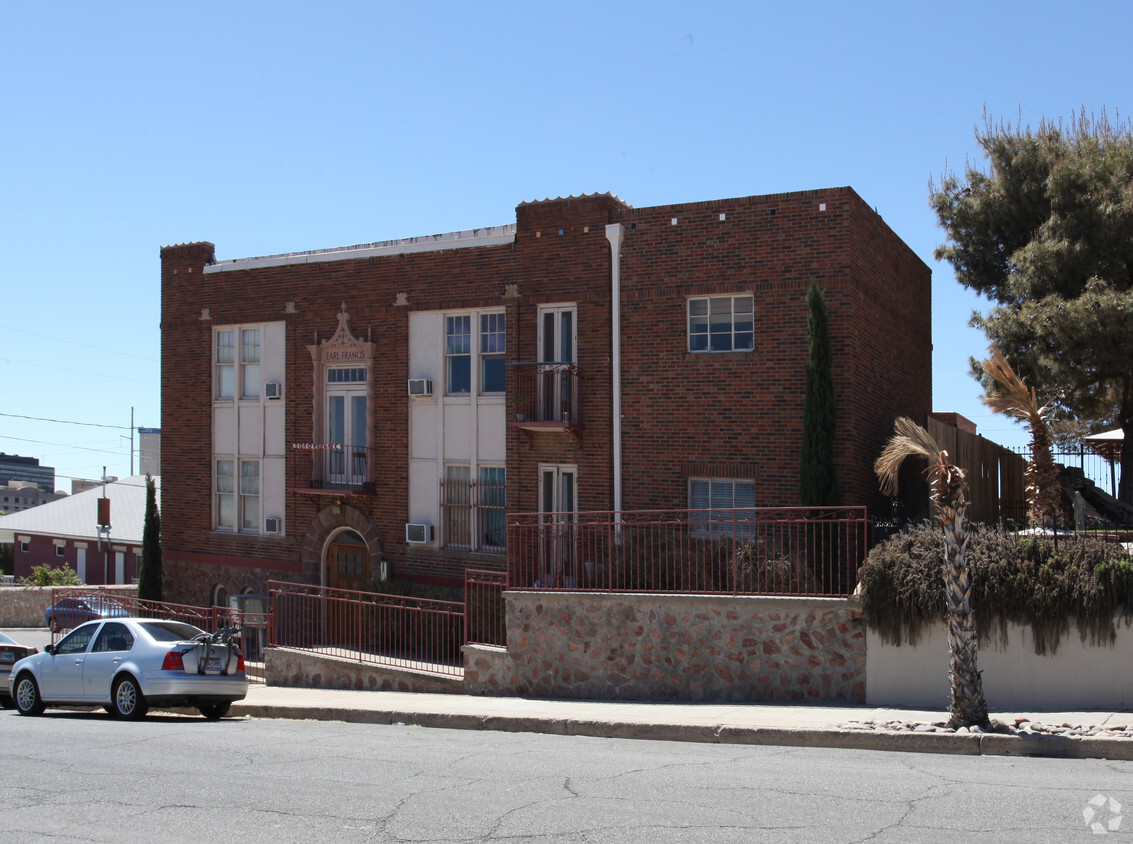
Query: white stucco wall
[1079,676]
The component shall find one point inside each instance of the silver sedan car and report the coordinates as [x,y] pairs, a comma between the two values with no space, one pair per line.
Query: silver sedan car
[129,664]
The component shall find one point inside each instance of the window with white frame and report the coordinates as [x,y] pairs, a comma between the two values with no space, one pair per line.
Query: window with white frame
[475,343]
[249,363]
[474,512]
[250,495]
[225,364]
[493,346]
[721,324]
[721,507]
[458,354]
[237,374]
[225,494]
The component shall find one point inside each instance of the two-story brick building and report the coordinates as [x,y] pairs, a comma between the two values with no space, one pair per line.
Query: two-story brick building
[334,415]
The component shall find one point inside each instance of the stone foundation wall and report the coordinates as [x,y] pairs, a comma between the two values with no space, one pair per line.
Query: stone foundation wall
[681,647]
[23,606]
[306,670]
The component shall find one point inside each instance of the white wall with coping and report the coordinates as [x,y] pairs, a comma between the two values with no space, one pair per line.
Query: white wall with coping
[1079,676]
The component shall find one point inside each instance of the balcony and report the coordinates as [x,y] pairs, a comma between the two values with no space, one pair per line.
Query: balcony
[338,469]
[544,396]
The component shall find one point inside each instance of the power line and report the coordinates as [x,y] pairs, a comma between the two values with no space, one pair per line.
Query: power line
[76,343]
[65,422]
[77,371]
[61,445]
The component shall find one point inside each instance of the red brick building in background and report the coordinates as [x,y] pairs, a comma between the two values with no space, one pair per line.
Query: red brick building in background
[337,415]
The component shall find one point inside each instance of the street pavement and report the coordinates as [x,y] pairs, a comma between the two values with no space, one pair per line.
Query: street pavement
[1032,733]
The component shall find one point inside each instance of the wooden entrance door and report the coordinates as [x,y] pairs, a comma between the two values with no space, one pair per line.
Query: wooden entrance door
[348,561]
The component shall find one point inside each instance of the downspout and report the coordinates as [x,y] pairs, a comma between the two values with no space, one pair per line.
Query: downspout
[614,233]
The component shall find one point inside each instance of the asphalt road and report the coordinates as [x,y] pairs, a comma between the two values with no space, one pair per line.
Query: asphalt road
[85,777]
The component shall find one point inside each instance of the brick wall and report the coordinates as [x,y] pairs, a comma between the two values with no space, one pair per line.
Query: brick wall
[736,415]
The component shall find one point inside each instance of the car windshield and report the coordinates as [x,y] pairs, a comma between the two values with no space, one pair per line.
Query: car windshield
[170,631]
[4,640]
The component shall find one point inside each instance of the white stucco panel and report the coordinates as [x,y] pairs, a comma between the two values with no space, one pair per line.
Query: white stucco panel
[273,352]
[422,429]
[491,430]
[457,433]
[224,429]
[424,492]
[251,429]
[426,349]
[272,486]
[275,419]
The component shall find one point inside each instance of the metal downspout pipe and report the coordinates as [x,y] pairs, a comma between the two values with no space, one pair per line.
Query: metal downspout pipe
[614,233]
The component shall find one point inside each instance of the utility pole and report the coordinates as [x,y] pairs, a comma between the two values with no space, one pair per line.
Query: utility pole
[131,442]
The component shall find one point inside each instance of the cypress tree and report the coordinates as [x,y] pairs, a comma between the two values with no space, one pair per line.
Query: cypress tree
[149,572]
[818,486]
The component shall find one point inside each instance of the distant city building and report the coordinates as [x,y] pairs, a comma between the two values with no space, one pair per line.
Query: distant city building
[83,484]
[149,450]
[16,496]
[16,468]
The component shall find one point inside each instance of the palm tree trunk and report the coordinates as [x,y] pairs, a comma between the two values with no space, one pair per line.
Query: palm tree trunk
[966,703]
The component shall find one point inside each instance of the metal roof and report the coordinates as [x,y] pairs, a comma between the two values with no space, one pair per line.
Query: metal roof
[76,516]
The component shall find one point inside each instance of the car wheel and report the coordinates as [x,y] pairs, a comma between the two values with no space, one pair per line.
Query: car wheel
[213,711]
[28,701]
[127,699]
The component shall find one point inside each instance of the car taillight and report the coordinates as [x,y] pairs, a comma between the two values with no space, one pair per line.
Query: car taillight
[240,662]
[173,662]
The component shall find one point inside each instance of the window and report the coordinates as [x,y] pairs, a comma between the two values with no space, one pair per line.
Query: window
[113,637]
[25,547]
[479,335]
[250,363]
[456,507]
[491,501]
[59,551]
[717,507]
[493,340]
[458,354]
[721,324]
[225,358]
[466,505]
[225,494]
[250,495]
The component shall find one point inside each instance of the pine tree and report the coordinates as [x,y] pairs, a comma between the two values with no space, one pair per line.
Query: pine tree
[149,573]
[818,485]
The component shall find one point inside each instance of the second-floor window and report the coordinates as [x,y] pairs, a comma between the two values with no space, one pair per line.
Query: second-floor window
[721,324]
[475,344]
[237,374]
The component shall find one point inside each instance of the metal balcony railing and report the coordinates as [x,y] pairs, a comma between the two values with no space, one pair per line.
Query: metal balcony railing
[340,467]
[544,393]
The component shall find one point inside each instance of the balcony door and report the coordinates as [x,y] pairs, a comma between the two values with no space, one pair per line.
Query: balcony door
[557,540]
[346,426]
[557,352]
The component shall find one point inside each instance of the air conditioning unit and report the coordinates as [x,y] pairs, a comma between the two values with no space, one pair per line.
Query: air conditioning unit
[273,524]
[420,386]
[273,390]
[418,534]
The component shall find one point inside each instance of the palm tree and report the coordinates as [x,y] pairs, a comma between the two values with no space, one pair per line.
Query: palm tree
[1015,399]
[950,499]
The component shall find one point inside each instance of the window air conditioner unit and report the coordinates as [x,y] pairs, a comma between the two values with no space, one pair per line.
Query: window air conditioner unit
[273,390]
[420,387]
[418,534]
[273,524]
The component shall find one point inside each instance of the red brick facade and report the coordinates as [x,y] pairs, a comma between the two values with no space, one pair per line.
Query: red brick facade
[684,414]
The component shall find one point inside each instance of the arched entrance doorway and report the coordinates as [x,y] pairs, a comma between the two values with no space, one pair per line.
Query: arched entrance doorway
[347,561]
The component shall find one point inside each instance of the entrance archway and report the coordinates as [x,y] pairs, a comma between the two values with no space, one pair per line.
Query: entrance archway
[347,561]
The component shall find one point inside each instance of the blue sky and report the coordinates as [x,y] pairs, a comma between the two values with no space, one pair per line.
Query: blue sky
[279,127]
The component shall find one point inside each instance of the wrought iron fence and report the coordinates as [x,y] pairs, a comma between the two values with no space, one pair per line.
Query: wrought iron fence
[338,466]
[774,551]
[422,634]
[484,620]
[544,392]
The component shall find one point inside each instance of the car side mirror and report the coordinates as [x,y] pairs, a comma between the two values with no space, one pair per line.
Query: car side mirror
[49,649]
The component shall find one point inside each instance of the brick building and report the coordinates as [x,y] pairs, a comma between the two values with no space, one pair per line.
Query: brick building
[338,414]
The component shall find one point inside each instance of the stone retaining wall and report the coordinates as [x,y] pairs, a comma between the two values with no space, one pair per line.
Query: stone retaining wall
[681,647]
[306,670]
[23,606]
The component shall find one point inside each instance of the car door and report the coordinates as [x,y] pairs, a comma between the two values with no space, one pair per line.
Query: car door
[111,646]
[61,672]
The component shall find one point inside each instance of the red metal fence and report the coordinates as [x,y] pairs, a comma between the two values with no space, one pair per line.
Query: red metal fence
[80,604]
[776,551]
[484,622]
[422,634]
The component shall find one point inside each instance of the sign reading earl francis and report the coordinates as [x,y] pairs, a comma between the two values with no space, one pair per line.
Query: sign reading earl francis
[340,355]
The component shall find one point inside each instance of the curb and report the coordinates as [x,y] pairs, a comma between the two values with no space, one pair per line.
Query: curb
[985,744]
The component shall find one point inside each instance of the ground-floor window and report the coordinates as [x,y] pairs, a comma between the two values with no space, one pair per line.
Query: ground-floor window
[473,511]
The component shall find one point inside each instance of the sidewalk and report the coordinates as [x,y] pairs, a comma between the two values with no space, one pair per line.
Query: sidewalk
[858,727]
